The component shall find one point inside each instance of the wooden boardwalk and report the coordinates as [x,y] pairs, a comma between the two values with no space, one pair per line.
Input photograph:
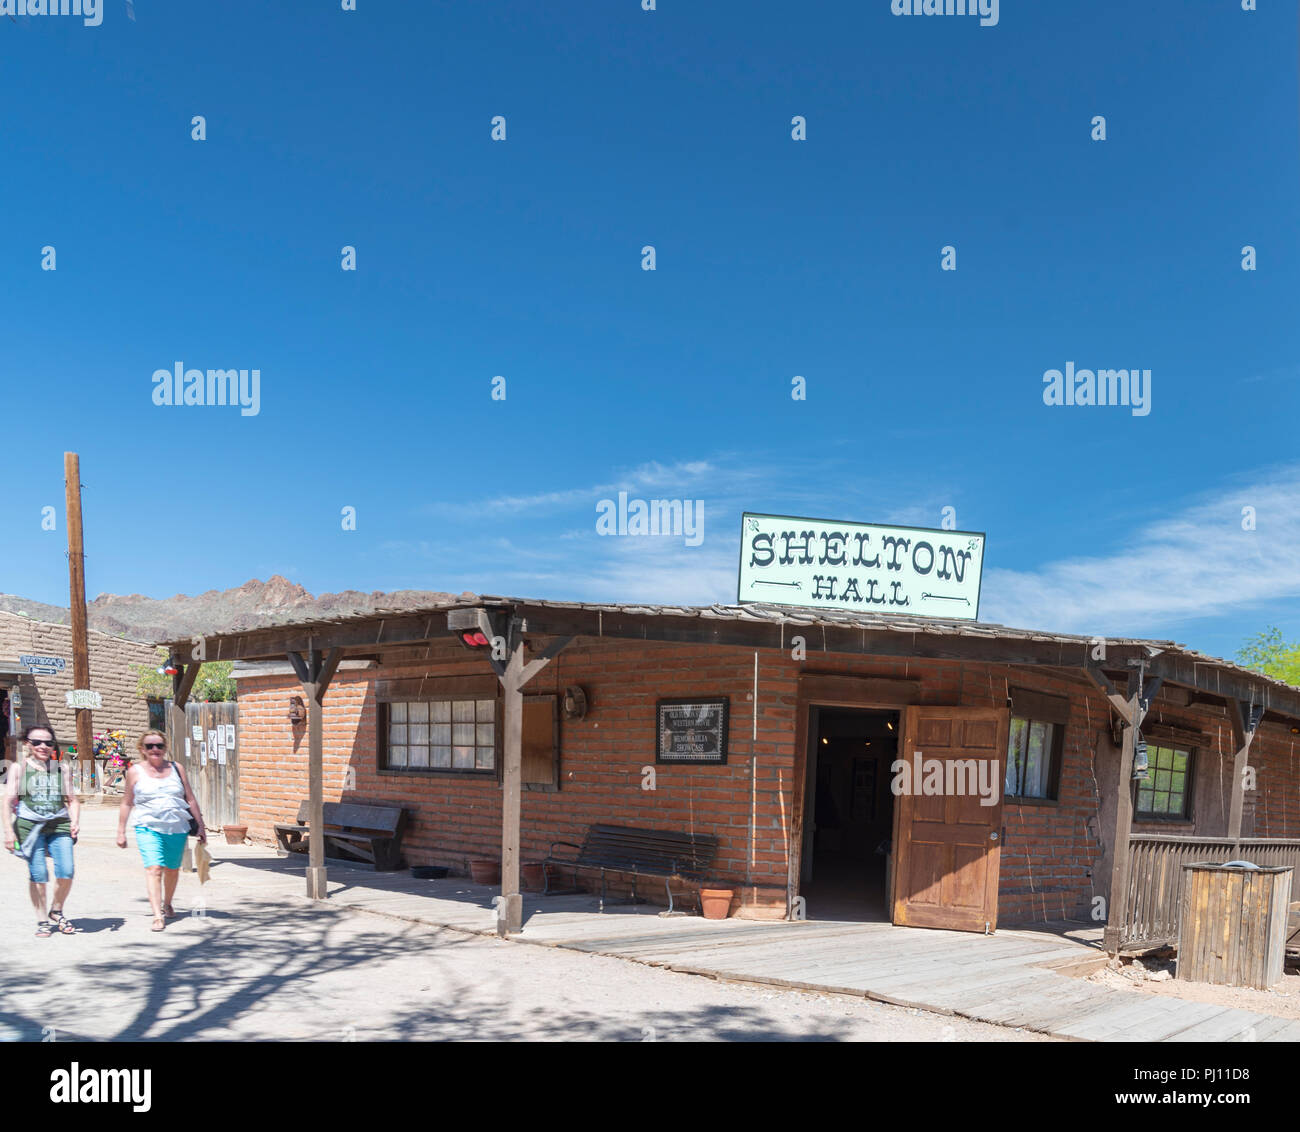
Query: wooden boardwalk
[1007,978]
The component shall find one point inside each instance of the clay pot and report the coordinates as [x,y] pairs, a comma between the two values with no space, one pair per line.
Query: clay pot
[235,834]
[484,870]
[534,875]
[715,903]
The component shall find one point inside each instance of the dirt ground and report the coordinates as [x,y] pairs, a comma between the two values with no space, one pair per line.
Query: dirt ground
[1156,976]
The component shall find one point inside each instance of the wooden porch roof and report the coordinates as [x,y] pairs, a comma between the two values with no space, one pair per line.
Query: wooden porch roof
[760,626]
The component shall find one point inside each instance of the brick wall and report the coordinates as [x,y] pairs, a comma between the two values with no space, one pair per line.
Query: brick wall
[1055,857]
[110,675]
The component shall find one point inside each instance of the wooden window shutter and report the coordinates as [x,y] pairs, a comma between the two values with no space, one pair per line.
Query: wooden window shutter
[540,756]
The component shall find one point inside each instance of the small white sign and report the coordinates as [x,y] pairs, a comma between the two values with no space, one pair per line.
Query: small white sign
[197,732]
[84,698]
[203,754]
[221,734]
[221,756]
[187,748]
[43,665]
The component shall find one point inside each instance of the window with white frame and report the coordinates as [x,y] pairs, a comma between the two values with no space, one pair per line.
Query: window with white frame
[441,735]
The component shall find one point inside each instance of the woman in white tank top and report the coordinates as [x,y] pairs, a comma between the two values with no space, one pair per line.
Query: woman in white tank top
[163,803]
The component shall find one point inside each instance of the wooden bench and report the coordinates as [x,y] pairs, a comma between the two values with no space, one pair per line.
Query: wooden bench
[355,834]
[653,852]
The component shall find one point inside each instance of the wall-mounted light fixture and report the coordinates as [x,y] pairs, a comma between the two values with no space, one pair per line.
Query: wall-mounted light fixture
[297,709]
[169,668]
[1140,760]
[574,704]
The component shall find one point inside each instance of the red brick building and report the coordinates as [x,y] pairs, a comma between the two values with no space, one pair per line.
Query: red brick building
[823,711]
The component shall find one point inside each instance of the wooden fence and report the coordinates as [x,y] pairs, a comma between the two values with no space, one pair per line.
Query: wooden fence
[211,764]
[1155,881]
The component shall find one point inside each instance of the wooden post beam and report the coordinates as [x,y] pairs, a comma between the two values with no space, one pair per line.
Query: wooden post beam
[510,910]
[1117,898]
[1244,718]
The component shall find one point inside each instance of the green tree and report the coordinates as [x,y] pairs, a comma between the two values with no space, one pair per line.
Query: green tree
[1268,653]
[212,685]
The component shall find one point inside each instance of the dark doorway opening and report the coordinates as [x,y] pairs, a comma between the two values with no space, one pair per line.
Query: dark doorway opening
[849,813]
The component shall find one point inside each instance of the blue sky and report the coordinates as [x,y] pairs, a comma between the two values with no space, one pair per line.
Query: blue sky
[775,258]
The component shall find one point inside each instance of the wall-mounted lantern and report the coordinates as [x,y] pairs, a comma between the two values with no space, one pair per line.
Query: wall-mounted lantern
[1140,760]
[297,710]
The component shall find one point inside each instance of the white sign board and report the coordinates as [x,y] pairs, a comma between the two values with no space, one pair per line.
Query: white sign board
[866,568]
[43,665]
[197,732]
[83,698]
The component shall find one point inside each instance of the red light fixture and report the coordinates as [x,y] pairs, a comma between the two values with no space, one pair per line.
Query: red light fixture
[474,639]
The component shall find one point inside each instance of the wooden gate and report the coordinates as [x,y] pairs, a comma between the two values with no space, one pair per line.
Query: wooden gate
[212,761]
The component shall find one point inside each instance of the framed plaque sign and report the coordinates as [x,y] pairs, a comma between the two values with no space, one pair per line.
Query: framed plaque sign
[691,731]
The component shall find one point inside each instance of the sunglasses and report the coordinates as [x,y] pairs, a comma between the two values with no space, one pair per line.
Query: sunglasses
[42,743]
[155,746]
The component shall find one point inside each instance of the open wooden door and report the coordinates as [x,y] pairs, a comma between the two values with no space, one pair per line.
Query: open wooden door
[947,847]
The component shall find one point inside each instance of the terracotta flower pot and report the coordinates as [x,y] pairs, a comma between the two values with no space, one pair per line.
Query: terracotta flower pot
[534,875]
[235,834]
[715,903]
[485,870]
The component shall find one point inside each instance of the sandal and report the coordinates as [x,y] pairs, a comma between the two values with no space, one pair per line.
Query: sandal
[169,912]
[44,929]
[159,923]
[60,921]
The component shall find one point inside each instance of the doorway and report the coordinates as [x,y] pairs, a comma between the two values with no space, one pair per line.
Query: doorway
[849,815]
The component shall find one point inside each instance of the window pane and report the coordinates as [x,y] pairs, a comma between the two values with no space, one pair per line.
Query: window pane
[462,733]
[487,709]
[1179,761]
[483,758]
[440,711]
[396,756]
[397,713]
[442,756]
[1162,780]
[462,711]
[419,733]
[462,758]
[397,733]
[419,756]
[1015,755]
[419,713]
[483,734]
[1037,756]
[440,733]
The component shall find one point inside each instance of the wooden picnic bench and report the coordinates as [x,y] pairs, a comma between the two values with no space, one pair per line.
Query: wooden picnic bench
[652,852]
[355,834]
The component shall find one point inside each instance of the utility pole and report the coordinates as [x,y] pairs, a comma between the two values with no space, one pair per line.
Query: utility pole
[77,602]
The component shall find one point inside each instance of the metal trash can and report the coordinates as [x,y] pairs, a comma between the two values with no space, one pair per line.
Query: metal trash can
[1232,930]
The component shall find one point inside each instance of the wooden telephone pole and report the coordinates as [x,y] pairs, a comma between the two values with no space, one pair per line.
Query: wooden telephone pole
[77,601]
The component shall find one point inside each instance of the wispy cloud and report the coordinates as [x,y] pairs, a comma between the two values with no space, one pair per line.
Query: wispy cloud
[1199,563]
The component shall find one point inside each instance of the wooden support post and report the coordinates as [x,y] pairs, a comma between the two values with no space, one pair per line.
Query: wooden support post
[77,605]
[182,684]
[316,876]
[315,673]
[510,915]
[1244,719]
[1117,899]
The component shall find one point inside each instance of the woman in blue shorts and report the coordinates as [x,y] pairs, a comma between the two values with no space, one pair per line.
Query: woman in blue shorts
[163,804]
[41,816]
